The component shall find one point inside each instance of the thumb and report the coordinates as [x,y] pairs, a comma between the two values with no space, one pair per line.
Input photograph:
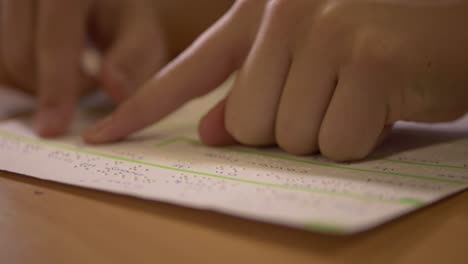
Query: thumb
[212,128]
[137,53]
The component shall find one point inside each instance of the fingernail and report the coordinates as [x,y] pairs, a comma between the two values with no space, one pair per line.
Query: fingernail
[99,132]
[50,122]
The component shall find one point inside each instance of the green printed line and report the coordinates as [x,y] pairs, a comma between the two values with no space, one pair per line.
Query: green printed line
[170,142]
[351,168]
[211,175]
[316,163]
[443,166]
[415,202]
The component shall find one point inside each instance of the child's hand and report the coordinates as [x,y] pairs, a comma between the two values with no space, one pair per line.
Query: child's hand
[42,43]
[314,75]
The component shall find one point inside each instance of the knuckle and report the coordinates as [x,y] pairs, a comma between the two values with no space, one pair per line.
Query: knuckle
[329,22]
[370,50]
[284,19]
[244,4]
[328,13]
[242,7]
[280,12]
[278,7]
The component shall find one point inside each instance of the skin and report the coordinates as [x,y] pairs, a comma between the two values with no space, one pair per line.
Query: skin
[42,44]
[326,76]
[322,75]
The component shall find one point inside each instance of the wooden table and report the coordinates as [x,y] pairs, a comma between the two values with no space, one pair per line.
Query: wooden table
[43,222]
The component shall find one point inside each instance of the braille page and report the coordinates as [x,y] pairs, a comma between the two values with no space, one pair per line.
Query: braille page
[417,166]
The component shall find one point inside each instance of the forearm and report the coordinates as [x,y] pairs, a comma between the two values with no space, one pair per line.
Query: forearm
[184,20]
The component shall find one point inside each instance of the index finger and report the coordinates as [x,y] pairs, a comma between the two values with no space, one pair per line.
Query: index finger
[198,70]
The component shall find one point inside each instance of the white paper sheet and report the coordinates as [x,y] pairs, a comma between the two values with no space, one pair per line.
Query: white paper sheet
[420,164]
